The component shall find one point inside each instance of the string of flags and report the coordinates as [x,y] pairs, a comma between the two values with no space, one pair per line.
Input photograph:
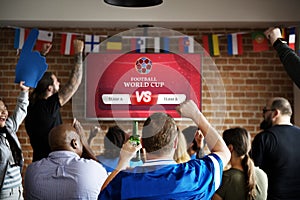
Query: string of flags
[210,42]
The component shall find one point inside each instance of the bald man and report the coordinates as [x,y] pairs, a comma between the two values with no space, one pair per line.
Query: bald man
[276,150]
[69,172]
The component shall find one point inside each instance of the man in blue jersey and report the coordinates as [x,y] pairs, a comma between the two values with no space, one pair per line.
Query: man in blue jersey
[160,177]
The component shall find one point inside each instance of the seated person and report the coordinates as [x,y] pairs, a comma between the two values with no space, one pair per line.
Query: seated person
[69,172]
[113,141]
[242,180]
[160,177]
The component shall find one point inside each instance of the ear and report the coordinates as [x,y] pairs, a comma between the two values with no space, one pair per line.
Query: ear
[50,88]
[74,143]
[230,147]
[275,113]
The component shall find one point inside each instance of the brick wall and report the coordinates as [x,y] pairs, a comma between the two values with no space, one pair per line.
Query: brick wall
[249,80]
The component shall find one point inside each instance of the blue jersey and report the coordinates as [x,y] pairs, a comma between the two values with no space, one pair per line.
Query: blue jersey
[196,179]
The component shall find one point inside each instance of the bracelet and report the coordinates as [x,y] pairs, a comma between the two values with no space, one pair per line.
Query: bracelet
[279,41]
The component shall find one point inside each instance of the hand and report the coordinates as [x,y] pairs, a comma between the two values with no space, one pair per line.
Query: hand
[78,46]
[46,49]
[94,130]
[23,87]
[128,151]
[273,34]
[189,109]
[199,138]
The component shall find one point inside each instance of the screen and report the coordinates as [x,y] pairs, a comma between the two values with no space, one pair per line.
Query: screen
[133,86]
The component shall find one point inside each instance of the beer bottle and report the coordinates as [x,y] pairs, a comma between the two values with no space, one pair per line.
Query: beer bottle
[135,140]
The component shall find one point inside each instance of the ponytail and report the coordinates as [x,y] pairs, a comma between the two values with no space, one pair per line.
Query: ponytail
[248,167]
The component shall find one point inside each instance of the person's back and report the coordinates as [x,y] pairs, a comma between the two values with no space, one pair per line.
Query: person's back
[242,180]
[64,174]
[160,177]
[276,150]
[280,160]
[43,115]
[195,179]
[45,102]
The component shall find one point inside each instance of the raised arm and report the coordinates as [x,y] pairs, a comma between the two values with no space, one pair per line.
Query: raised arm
[66,92]
[287,56]
[127,152]
[213,139]
[87,152]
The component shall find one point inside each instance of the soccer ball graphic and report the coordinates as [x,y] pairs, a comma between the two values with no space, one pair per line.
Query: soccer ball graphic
[143,65]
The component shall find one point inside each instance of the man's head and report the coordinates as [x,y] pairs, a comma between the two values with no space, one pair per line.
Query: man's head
[159,134]
[277,111]
[65,137]
[47,86]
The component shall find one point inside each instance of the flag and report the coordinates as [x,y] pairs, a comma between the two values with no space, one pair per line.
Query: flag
[20,36]
[298,41]
[140,45]
[211,44]
[67,46]
[114,43]
[165,44]
[43,38]
[156,44]
[259,42]
[235,44]
[292,37]
[186,44]
[91,43]
[283,33]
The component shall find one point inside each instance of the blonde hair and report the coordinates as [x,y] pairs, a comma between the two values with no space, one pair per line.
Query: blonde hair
[181,155]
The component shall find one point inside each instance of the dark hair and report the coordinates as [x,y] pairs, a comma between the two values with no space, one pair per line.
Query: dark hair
[113,141]
[189,134]
[239,138]
[283,105]
[40,91]
[158,134]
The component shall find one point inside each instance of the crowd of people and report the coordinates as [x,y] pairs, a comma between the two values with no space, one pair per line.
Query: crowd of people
[193,163]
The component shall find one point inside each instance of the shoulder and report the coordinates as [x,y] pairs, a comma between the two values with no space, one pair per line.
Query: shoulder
[259,173]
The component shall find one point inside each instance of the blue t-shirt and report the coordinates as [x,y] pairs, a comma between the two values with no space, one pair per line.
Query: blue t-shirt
[110,164]
[196,179]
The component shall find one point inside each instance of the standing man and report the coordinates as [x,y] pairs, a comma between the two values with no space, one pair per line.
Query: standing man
[45,102]
[276,150]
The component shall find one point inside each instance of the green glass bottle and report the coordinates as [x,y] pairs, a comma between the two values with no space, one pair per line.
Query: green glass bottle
[135,140]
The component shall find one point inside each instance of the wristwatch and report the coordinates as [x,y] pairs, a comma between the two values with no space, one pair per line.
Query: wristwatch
[279,41]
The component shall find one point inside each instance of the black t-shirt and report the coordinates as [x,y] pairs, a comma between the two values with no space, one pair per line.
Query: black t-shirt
[277,152]
[42,116]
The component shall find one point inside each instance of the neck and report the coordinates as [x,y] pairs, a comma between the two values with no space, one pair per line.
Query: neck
[158,157]
[236,163]
[283,120]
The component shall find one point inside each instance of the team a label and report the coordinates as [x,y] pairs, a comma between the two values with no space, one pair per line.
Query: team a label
[143,98]
[143,82]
